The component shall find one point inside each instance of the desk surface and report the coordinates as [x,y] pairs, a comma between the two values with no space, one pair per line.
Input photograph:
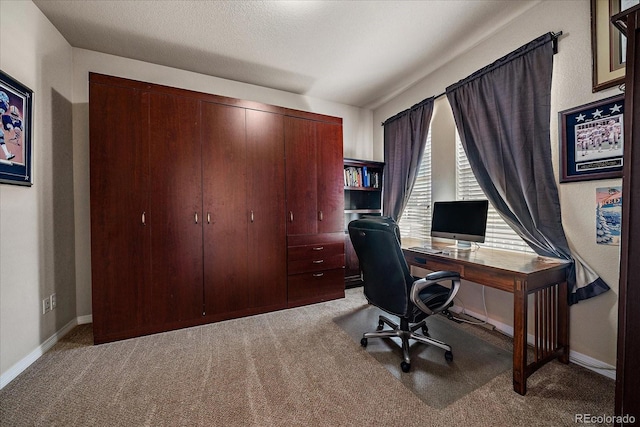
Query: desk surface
[485,265]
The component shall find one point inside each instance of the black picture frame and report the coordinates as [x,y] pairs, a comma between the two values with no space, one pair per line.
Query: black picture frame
[592,140]
[16,108]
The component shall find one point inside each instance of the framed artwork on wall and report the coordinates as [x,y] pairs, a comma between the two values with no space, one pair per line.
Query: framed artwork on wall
[16,131]
[592,140]
[608,45]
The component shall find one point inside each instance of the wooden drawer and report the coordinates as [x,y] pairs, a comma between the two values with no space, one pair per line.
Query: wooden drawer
[319,251]
[315,239]
[309,288]
[316,264]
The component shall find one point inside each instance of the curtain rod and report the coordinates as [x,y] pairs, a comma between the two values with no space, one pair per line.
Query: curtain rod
[554,40]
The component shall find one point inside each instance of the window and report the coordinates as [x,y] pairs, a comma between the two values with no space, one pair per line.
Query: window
[499,234]
[416,218]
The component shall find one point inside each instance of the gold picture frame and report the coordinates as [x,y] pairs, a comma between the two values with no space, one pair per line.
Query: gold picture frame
[607,43]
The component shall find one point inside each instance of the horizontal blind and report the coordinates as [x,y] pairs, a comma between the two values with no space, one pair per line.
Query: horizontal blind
[415,221]
[499,234]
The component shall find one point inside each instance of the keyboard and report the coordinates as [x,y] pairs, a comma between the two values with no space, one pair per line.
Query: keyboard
[426,250]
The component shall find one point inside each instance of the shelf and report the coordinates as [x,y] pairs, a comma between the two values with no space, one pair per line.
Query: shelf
[362,189]
[362,211]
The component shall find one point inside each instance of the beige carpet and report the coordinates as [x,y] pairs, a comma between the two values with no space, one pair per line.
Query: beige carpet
[289,368]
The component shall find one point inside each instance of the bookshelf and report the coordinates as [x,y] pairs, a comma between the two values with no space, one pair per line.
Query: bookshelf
[362,196]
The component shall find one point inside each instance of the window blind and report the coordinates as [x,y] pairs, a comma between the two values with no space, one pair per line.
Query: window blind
[499,234]
[416,218]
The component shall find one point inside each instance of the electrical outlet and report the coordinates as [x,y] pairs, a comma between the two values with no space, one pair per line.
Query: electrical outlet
[46,305]
[52,299]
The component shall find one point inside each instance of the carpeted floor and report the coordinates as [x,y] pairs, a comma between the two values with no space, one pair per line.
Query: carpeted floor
[294,367]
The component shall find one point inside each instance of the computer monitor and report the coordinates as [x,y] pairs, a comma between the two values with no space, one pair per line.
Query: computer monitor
[461,220]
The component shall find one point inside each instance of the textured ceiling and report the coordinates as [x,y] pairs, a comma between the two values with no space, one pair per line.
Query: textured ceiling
[358,53]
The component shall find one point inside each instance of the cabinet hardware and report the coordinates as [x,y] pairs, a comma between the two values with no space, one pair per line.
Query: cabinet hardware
[318,261]
[319,248]
[320,216]
[208,217]
[290,216]
[251,216]
[196,215]
[144,218]
[318,275]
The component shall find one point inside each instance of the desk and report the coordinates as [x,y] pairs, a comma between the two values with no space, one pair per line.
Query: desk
[522,275]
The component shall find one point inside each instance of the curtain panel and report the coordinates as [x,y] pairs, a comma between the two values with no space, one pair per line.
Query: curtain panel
[405,136]
[502,113]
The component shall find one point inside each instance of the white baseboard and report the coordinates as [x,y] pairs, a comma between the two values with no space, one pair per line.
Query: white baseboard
[583,360]
[83,320]
[26,361]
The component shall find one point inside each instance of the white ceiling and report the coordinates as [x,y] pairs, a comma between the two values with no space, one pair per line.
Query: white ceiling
[359,53]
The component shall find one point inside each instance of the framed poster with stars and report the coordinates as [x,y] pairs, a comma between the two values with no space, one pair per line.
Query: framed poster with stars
[592,140]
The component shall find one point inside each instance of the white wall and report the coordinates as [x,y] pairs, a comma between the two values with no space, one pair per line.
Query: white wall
[36,223]
[593,322]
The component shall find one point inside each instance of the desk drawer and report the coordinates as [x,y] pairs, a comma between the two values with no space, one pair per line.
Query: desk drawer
[434,264]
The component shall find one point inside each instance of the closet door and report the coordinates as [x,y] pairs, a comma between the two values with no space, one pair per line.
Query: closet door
[267,268]
[301,176]
[224,164]
[330,178]
[119,183]
[175,213]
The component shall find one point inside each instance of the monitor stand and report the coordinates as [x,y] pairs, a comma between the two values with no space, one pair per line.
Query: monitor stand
[461,245]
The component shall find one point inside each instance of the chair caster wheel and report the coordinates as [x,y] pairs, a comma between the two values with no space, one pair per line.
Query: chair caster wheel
[363,342]
[380,326]
[405,366]
[448,356]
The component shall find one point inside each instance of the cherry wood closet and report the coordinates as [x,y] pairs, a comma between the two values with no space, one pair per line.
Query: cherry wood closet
[199,204]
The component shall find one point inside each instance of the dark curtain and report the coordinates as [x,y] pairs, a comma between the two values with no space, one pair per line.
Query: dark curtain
[502,113]
[405,136]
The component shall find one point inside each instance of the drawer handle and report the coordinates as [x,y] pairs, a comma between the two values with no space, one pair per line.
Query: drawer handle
[208,217]
[318,275]
[290,216]
[320,216]
[319,248]
[251,216]
[196,217]
[319,261]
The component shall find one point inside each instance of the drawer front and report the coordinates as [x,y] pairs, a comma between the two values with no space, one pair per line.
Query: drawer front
[308,288]
[316,264]
[319,251]
[315,239]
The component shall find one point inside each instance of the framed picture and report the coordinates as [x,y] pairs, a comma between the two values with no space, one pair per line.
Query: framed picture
[608,45]
[592,140]
[16,132]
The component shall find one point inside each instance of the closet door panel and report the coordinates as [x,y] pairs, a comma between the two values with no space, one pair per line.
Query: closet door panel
[118,181]
[224,165]
[175,213]
[330,178]
[267,269]
[301,176]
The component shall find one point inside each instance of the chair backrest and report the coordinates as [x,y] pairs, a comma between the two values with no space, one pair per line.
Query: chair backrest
[386,276]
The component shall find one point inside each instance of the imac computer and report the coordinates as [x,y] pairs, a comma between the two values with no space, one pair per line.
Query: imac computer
[462,220]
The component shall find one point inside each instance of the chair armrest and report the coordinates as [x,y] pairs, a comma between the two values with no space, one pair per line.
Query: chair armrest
[432,279]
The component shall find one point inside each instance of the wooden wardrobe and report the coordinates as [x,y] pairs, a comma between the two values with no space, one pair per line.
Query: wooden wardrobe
[200,204]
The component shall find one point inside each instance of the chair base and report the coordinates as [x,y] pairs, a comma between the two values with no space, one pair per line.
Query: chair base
[405,332]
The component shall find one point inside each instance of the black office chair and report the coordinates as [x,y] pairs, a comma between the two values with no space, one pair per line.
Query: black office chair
[388,285]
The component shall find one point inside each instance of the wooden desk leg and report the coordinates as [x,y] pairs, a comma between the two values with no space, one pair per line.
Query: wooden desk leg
[520,338]
[563,321]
